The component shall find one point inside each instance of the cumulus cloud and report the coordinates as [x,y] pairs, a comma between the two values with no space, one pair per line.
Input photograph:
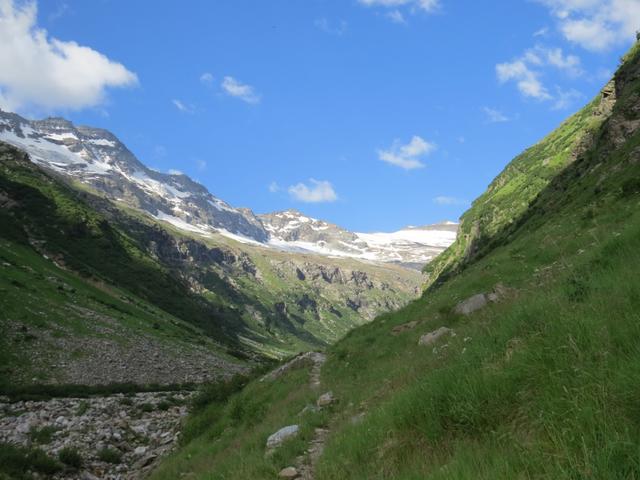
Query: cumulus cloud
[596,25]
[495,116]
[43,72]
[244,92]
[527,80]
[526,70]
[407,156]
[317,191]
[445,200]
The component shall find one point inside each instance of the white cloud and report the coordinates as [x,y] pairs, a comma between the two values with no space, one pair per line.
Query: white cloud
[207,79]
[43,72]
[244,92]
[495,116]
[596,25]
[182,106]
[175,172]
[407,156]
[317,191]
[338,28]
[411,6]
[444,200]
[526,70]
[556,58]
[527,80]
[274,187]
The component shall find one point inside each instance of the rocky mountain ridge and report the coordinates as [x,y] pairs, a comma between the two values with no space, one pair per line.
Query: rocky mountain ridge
[97,158]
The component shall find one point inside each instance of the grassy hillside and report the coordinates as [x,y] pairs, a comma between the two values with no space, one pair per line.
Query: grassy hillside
[542,384]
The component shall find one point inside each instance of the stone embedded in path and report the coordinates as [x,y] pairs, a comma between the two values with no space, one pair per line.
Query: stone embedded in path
[431,337]
[325,400]
[289,472]
[275,440]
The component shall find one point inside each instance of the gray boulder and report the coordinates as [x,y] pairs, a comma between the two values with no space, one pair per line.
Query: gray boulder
[471,304]
[275,440]
[325,399]
[431,337]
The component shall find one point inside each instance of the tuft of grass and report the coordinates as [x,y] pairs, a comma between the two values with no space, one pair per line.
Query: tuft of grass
[71,457]
[110,455]
[42,436]
[83,407]
[17,462]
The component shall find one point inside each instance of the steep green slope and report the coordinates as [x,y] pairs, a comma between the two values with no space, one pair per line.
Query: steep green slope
[511,192]
[542,384]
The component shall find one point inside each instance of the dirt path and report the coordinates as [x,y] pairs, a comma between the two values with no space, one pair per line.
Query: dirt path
[306,464]
[318,361]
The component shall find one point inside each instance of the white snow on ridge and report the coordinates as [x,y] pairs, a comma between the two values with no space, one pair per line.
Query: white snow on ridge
[181,224]
[103,142]
[432,238]
[60,137]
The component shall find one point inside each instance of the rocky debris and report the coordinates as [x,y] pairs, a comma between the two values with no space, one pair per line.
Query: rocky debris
[430,338]
[110,354]
[480,300]
[140,427]
[325,400]
[405,327]
[285,433]
[289,472]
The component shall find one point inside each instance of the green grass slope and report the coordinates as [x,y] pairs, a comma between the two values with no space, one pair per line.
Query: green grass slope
[543,384]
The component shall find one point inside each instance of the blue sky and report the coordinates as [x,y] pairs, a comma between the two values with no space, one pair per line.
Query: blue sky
[373,114]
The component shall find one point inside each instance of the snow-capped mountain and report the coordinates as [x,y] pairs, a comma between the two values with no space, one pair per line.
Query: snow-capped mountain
[96,157]
[411,246]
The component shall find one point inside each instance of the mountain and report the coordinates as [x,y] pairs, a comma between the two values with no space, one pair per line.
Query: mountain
[520,359]
[413,246]
[83,276]
[97,158]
